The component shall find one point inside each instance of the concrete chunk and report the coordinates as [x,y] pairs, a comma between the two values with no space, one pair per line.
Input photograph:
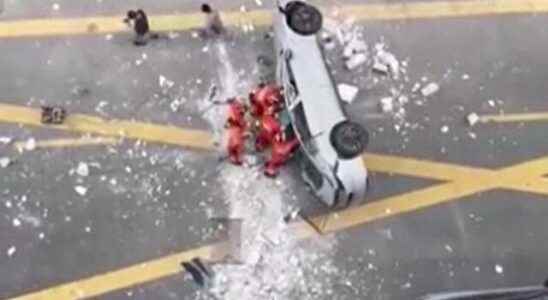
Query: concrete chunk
[347,92]
[430,89]
[355,61]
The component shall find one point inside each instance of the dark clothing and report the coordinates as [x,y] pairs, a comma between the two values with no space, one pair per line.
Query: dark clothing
[196,275]
[140,21]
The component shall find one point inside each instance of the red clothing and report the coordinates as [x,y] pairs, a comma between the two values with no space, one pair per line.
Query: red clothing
[281,153]
[270,127]
[236,114]
[265,100]
[236,142]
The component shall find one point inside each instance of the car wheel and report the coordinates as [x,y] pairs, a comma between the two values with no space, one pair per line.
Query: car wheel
[349,139]
[303,18]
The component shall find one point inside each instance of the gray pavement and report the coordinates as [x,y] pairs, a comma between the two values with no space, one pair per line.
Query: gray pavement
[161,203]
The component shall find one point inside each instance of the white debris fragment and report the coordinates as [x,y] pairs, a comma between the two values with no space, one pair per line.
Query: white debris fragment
[347,92]
[56,6]
[41,235]
[380,68]
[11,251]
[449,248]
[164,82]
[82,191]
[82,169]
[430,89]
[108,37]
[195,35]
[5,140]
[259,2]
[30,144]
[444,129]
[87,229]
[472,135]
[416,87]
[355,61]
[388,59]
[387,104]
[16,222]
[465,76]
[4,162]
[472,119]
[491,102]
[499,269]
[355,46]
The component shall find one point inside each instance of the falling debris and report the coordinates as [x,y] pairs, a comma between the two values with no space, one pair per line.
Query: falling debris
[347,92]
[355,61]
[472,119]
[11,251]
[354,47]
[259,2]
[82,191]
[499,269]
[430,89]
[108,37]
[4,162]
[82,169]
[387,104]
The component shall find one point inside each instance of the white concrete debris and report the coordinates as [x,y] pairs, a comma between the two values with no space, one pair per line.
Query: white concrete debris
[82,191]
[108,37]
[56,6]
[30,144]
[347,92]
[11,251]
[491,102]
[380,68]
[472,119]
[353,47]
[465,76]
[16,222]
[5,140]
[499,269]
[356,61]
[82,169]
[259,2]
[430,89]
[164,82]
[387,104]
[4,162]
[444,129]
[388,59]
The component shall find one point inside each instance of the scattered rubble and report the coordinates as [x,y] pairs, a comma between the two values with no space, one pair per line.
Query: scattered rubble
[389,61]
[5,140]
[387,104]
[347,92]
[356,61]
[82,169]
[164,82]
[499,269]
[11,251]
[444,129]
[16,222]
[4,162]
[430,89]
[465,76]
[30,144]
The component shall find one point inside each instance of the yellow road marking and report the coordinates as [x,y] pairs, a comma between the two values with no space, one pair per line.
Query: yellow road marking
[197,139]
[460,182]
[180,22]
[77,142]
[509,118]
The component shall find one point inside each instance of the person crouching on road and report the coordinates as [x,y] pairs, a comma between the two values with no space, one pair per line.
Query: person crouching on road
[213,23]
[282,150]
[236,130]
[139,21]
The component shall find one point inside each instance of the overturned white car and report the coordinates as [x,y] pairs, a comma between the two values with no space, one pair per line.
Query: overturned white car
[331,145]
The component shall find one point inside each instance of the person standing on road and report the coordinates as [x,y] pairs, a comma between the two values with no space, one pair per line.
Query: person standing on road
[213,24]
[139,21]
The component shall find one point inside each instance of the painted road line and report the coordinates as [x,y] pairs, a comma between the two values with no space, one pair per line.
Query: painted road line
[73,142]
[190,138]
[459,186]
[362,12]
[512,118]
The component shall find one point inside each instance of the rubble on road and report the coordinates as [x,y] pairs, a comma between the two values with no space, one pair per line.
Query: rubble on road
[444,129]
[82,191]
[347,92]
[356,61]
[4,162]
[388,60]
[164,82]
[5,140]
[30,144]
[11,251]
[472,119]
[387,104]
[430,89]
[82,169]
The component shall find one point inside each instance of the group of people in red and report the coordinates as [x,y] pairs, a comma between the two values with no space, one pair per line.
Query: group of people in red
[265,103]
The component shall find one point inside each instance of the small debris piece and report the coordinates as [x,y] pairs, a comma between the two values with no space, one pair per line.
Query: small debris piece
[5,140]
[355,61]
[82,191]
[416,87]
[82,169]
[499,269]
[491,102]
[164,82]
[380,68]
[4,162]
[354,47]
[465,76]
[11,251]
[53,115]
[387,104]
[472,119]
[56,6]
[16,222]
[444,129]
[108,37]
[259,2]
[388,59]
[347,92]
[430,89]
[30,144]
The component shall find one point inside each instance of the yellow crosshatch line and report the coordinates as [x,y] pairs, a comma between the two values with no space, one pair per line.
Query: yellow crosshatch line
[518,117]
[262,17]
[72,142]
[457,181]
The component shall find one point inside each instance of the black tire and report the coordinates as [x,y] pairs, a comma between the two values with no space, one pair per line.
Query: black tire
[349,139]
[303,18]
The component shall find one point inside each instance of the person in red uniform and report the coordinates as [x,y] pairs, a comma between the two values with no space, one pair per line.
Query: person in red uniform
[269,127]
[266,99]
[281,152]
[236,127]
